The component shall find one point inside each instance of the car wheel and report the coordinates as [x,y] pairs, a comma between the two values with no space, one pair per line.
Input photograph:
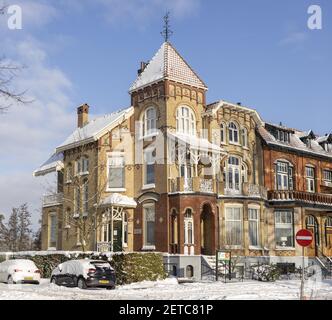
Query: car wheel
[81,283]
[10,280]
[110,288]
[53,281]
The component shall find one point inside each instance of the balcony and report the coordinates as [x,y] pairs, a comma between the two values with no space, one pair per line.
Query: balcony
[195,184]
[306,197]
[254,190]
[52,200]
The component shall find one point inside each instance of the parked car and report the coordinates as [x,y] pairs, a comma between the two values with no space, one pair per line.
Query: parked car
[84,274]
[19,271]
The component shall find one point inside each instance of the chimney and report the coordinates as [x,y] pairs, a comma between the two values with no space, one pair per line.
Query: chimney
[142,67]
[82,115]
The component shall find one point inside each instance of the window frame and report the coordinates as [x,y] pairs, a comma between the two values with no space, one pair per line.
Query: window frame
[185,120]
[149,245]
[189,221]
[116,155]
[233,131]
[233,220]
[310,177]
[282,225]
[257,222]
[149,162]
[149,124]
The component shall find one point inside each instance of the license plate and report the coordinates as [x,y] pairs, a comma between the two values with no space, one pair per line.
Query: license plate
[104,281]
[28,278]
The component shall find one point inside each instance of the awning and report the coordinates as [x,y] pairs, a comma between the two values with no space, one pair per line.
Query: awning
[119,200]
[53,164]
[195,142]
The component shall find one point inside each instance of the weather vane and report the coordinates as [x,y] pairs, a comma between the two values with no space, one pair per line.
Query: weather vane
[167,32]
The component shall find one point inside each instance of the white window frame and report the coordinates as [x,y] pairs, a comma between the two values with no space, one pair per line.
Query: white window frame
[327,175]
[244,137]
[149,122]
[116,155]
[310,179]
[50,242]
[185,121]
[284,171]
[149,160]
[146,245]
[233,220]
[233,131]
[189,220]
[279,224]
[85,201]
[255,220]
[223,133]
[231,172]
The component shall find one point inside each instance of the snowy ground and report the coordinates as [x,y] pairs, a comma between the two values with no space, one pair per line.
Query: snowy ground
[170,290]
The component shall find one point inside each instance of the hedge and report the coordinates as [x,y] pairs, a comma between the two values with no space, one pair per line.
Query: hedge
[129,267]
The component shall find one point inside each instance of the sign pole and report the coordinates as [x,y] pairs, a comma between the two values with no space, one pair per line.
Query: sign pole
[302,278]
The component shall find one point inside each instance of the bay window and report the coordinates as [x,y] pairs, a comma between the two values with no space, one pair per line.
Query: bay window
[116,171]
[284,229]
[233,226]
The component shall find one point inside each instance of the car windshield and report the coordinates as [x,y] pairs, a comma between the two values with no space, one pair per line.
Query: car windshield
[101,266]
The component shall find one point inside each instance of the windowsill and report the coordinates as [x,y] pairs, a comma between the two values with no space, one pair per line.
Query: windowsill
[233,247]
[116,190]
[285,248]
[51,249]
[148,186]
[85,173]
[235,144]
[76,215]
[125,245]
[68,182]
[149,248]
[255,248]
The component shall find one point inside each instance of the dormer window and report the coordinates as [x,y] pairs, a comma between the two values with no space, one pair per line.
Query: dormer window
[283,136]
[185,121]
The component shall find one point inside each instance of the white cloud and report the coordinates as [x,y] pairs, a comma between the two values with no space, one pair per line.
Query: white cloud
[294,38]
[29,132]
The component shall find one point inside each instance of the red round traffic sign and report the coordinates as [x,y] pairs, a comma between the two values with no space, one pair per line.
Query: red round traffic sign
[304,238]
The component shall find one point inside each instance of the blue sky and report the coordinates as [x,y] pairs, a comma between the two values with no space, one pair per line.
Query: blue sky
[257,52]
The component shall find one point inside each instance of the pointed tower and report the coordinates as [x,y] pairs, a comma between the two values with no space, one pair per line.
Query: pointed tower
[166,82]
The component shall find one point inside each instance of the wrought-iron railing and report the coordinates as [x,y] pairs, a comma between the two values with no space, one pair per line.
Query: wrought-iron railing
[291,195]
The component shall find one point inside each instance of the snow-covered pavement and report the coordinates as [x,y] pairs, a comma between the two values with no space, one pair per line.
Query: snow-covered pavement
[169,289]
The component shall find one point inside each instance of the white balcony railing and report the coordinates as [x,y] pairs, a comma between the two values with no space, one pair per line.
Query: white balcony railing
[188,184]
[52,200]
[206,185]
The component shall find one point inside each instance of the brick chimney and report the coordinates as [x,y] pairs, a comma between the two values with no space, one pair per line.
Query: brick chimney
[82,115]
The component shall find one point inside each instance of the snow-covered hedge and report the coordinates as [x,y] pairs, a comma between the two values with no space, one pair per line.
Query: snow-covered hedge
[266,272]
[129,267]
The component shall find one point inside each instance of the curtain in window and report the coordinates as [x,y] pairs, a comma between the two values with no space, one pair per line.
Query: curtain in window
[234,226]
[284,229]
[253,227]
[149,219]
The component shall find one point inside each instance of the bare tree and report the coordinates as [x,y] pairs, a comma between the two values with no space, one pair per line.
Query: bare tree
[84,194]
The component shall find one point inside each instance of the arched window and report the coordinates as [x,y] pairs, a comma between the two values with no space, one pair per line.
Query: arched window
[82,165]
[233,133]
[222,133]
[244,173]
[232,174]
[189,271]
[185,121]
[149,216]
[149,121]
[188,227]
[328,232]
[77,201]
[244,137]
[312,225]
[174,227]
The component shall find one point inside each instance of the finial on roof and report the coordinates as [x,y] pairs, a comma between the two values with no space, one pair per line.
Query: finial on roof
[167,32]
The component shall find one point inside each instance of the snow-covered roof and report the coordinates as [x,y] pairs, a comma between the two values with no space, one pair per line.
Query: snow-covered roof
[195,142]
[94,129]
[53,164]
[119,200]
[213,108]
[167,64]
[296,142]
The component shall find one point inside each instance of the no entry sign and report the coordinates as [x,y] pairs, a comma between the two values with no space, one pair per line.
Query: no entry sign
[304,238]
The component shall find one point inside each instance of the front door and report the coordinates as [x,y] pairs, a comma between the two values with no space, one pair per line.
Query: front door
[117,235]
[312,226]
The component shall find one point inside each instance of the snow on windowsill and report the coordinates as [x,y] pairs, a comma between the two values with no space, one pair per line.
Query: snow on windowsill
[116,190]
[148,186]
[149,248]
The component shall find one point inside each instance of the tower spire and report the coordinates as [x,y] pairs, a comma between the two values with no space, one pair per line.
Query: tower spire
[167,32]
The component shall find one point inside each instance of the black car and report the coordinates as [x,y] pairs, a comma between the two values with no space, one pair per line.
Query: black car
[84,274]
